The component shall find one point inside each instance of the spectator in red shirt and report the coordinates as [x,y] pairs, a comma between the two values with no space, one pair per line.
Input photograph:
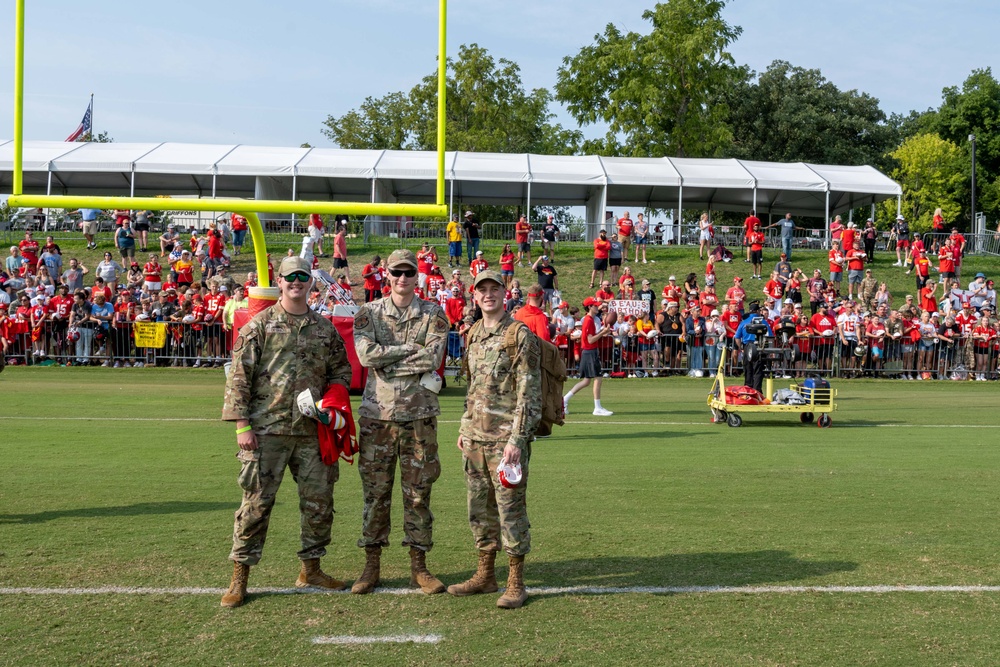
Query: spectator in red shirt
[372,274]
[340,251]
[522,232]
[751,223]
[507,258]
[592,332]
[532,314]
[602,247]
[823,328]
[29,249]
[736,293]
[315,231]
[604,293]
[756,240]
[215,303]
[239,225]
[928,301]
[478,264]
[625,227]
[426,258]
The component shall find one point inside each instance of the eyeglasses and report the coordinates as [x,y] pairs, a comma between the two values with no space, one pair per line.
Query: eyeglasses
[301,276]
[396,273]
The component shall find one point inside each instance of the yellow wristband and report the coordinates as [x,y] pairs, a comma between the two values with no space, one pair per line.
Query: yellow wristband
[245,429]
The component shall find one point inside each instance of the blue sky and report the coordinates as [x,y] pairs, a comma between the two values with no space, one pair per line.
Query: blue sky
[268,73]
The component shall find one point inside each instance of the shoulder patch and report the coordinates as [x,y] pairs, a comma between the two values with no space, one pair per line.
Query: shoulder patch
[441,325]
[362,321]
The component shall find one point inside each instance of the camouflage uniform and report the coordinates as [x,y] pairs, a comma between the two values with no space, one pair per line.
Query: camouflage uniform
[502,407]
[276,356]
[869,287]
[398,416]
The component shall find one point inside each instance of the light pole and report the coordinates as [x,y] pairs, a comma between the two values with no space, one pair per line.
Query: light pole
[972,225]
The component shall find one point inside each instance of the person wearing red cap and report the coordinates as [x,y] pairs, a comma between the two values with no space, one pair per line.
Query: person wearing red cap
[736,293]
[532,314]
[592,332]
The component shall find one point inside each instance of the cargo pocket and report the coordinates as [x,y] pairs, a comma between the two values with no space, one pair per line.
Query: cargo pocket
[249,479]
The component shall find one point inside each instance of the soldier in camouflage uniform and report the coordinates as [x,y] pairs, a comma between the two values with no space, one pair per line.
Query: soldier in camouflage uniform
[399,339]
[502,409]
[282,351]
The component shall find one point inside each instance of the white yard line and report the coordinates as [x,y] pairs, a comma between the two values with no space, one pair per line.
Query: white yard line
[378,639]
[541,591]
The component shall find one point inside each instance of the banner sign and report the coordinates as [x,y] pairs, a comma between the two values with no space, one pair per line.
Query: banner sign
[626,308]
[150,334]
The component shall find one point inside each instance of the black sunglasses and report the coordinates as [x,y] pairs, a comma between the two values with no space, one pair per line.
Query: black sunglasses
[409,273]
[301,276]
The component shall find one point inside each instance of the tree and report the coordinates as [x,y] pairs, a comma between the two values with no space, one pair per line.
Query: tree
[930,173]
[658,93]
[102,138]
[488,111]
[791,114]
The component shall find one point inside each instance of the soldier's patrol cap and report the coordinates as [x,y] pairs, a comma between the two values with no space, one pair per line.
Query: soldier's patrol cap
[290,265]
[483,276]
[401,257]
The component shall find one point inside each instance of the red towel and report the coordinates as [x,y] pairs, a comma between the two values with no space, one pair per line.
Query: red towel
[343,442]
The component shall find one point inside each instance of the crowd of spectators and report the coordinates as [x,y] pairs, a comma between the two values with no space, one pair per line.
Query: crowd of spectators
[946,328]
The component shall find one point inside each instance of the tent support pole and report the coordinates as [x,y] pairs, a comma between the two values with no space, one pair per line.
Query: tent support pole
[826,233]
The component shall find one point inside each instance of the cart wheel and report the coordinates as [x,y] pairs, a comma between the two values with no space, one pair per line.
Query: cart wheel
[734,420]
[806,418]
[824,421]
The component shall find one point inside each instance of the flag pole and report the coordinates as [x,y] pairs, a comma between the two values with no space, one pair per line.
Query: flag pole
[91,117]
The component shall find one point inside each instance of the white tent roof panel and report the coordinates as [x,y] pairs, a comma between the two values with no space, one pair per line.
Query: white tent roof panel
[330,174]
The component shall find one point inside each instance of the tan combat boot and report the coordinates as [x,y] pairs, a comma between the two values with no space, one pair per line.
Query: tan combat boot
[369,579]
[237,593]
[515,595]
[312,575]
[420,576]
[483,581]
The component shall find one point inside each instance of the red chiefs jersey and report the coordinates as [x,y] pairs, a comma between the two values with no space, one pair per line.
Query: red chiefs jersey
[731,320]
[152,272]
[435,281]
[946,260]
[966,323]
[477,265]
[756,240]
[60,307]
[836,259]
[214,304]
[774,289]
[820,324]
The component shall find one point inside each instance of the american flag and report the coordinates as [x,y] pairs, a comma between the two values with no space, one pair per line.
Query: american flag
[84,127]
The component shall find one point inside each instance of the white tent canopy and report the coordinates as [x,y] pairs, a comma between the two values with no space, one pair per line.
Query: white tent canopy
[329,174]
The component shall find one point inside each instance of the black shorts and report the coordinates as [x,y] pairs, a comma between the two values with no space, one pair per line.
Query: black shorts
[947,274]
[590,364]
[339,263]
[142,226]
[756,256]
[601,264]
[524,247]
[617,261]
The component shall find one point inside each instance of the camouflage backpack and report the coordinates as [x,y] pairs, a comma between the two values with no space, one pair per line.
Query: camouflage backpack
[553,374]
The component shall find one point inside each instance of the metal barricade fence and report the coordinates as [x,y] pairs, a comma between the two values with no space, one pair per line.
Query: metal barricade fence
[186,344]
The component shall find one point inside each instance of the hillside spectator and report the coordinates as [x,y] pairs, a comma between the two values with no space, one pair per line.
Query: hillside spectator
[848,238]
[867,291]
[522,237]
[315,231]
[506,262]
[142,228]
[756,241]
[478,264]
[704,235]
[169,239]
[691,290]
[787,228]
[472,228]
[604,293]
[134,279]
[515,301]
[615,257]
[648,296]
[108,270]
[550,234]
[869,235]
[184,269]
[454,234]
[751,223]
[856,258]
[29,248]
[602,247]
[125,240]
[624,237]
[548,278]
[44,281]
[216,254]
[736,294]
[426,258]
[52,261]
[372,275]
[836,229]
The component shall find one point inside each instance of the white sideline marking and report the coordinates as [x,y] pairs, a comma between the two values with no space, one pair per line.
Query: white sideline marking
[706,422]
[564,590]
[385,639]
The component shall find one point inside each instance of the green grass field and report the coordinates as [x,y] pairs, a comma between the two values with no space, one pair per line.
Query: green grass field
[128,479]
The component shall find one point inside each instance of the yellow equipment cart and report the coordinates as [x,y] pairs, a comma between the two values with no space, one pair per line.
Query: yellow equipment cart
[819,402]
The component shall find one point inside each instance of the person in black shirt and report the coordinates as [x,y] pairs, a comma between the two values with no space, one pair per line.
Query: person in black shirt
[550,232]
[547,278]
[471,227]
